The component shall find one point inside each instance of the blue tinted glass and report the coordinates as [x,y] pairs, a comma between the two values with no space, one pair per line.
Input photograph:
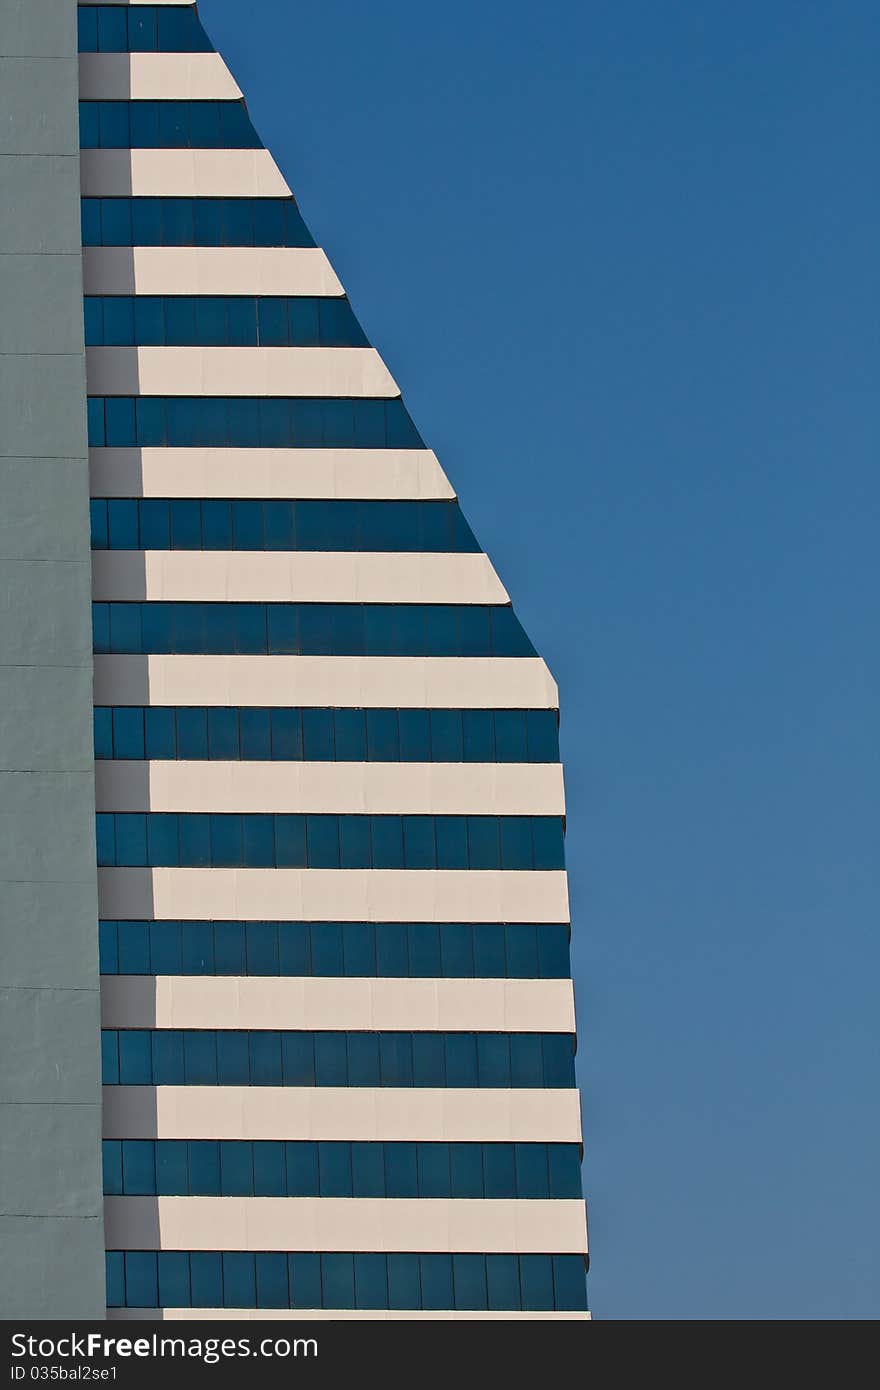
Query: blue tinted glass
[294,948]
[272,321]
[226,841]
[112,30]
[89,125]
[466,1163]
[236,1169]
[209,222]
[502,1282]
[103,732]
[119,416]
[364,1066]
[302,1169]
[149,320]
[304,322]
[548,842]
[469,1280]
[204,1167]
[142,29]
[93,310]
[197,944]
[522,950]
[511,743]
[457,949]
[569,1283]
[143,222]
[135,1068]
[370,1281]
[359,948]
[446,736]
[334,1167]
[383,744]
[258,842]
[147,122]
[493,1060]
[391,943]
[531,1172]
[223,733]
[131,841]
[305,1280]
[461,1060]
[90,216]
[256,739]
[558,1050]
[159,733]
[355,851]
[564,1164]
[165,952]
[239,1282]
[271,1271]
[452,842]
[351,735]
[238,222]
[229,947]
[424,942]
[167,1049]
[429,1060]
[415,736]
[192,733]
[337,1280]
[269,222]
[543,735]
[396,1059]
[483,846]
[401,1170]
[139,1167]
[265,1050]
[172,1168]
[318,734]
[269,1171]
[87,29]
[233,1060]
[499,1170]
[331,1067]
[433,1168]
[105,833]
[155,525]
[96,421]
[108,948]
[200,1057]
[241,320]
[111,1151]
[479,740]
[290,842]
[418,842]
[323,841]
[177,222]
[110,1057]
[134,948]
[174,1285]
[262,948]
[141,1279]
[516,842]
[404,1287]
[367,1169]
[526,1062]
[436,1278]
[206,1275]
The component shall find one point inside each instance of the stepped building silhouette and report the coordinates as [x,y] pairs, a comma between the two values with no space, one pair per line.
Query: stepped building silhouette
[288,1025]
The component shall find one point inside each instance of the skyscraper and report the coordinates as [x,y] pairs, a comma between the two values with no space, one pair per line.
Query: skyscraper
[325,907]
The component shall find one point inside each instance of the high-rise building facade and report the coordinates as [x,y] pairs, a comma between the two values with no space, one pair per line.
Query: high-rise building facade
[324,910]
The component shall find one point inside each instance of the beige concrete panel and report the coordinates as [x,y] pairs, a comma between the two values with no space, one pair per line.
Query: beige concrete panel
[180,174]
[355,1004]
[329,1112]
[346,1223]
[155,76]
[263,270]
[361,682]
[325,1315]
[495,789]
[291,473]
[270,576]
[237,371]
[335,895]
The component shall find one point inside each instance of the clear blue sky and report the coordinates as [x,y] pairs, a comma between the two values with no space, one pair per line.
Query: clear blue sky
[622,258]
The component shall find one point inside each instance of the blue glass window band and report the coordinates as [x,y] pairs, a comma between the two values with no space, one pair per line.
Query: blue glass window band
[454,950]
[312,1279]
[231,1057]
[309,629]
[220,321]
[196,733]
[277,1168]
[127,523]
[141,29]
[245,422]
[183,839]
[193,222]
[139,125]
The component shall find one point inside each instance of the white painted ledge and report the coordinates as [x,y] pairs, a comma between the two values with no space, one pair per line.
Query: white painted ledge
[259,270]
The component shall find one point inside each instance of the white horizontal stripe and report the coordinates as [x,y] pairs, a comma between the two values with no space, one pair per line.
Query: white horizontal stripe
[335,895]
[237,371]
[435,789]
[474,1225]
[339,1112]
[256,1002]
[181,174]
[260,270]
[155,76]
[362,682]
[333,473]
[326,1314]
[307,576]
